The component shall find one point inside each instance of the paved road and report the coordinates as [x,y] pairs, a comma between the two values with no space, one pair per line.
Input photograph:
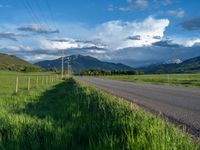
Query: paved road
[179,104]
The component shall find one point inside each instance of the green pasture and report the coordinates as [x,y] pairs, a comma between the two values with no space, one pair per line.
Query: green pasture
[72,115]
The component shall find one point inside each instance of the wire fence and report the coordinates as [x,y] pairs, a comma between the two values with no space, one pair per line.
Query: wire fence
[10,83]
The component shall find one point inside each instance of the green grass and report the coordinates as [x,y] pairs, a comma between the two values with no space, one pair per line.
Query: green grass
[186,80]
[72,115]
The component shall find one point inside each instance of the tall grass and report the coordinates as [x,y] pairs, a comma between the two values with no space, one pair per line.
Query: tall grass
[71,115]
[186,80]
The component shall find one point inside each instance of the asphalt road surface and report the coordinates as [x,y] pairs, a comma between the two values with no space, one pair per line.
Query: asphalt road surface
[180,104]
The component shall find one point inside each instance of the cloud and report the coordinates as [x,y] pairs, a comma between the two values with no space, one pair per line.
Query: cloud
[174,61]
[115,40]
[191,42]
[16,48]
[111,36]
[134,56]
[157,3]
[134,4]
[140,5]
[144,56]
[157,37]
[97,51]
[91,42]
[113,33]
[36,28]
[134,37]
[40,57]
[166,43]
[68,43]
[176,13]
[193,24]
[10,36]
[196,44]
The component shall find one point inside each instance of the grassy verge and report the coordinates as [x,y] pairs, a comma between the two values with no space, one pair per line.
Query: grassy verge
[71,115]
[186,80]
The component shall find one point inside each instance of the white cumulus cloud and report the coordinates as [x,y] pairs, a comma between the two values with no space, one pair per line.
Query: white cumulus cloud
[115,33]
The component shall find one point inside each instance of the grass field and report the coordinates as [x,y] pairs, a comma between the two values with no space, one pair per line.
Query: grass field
[72,115]
[186,80]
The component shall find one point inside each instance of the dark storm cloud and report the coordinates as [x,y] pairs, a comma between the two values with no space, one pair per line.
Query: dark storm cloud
[193,24]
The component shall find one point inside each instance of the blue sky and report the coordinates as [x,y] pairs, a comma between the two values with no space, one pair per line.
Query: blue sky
[135,32]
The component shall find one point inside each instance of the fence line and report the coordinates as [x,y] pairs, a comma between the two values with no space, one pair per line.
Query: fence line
[35,81]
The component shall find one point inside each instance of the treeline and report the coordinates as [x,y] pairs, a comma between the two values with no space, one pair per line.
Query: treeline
[20,68]
[94,72]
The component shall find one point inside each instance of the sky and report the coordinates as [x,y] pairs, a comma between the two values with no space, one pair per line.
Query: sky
[134,32]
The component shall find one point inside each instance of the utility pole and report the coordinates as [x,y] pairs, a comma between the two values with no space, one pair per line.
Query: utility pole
[62,66]
[68,67]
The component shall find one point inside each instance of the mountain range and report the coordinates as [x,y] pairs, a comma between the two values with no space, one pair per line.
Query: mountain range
[80,62]
[188,66]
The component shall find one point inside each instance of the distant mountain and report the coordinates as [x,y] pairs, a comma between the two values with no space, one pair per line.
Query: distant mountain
[13,63]
[80,62]
[187,66]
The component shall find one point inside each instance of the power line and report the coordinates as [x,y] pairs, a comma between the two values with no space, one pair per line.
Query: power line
[29,6]
[60,44]
[31,10]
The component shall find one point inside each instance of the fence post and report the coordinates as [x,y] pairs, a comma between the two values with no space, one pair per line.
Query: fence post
[46,79]
[29,83]
[17,85]
[37,81]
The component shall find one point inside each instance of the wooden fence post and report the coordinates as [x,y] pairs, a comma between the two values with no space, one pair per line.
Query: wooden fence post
[29,83]
[46,79]
[42,80]
[17,85]
[37,81]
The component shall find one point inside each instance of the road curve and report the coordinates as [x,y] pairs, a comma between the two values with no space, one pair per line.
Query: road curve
[179,104]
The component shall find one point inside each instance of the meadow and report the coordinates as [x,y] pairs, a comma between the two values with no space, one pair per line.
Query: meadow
[72,115]
[186,80]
